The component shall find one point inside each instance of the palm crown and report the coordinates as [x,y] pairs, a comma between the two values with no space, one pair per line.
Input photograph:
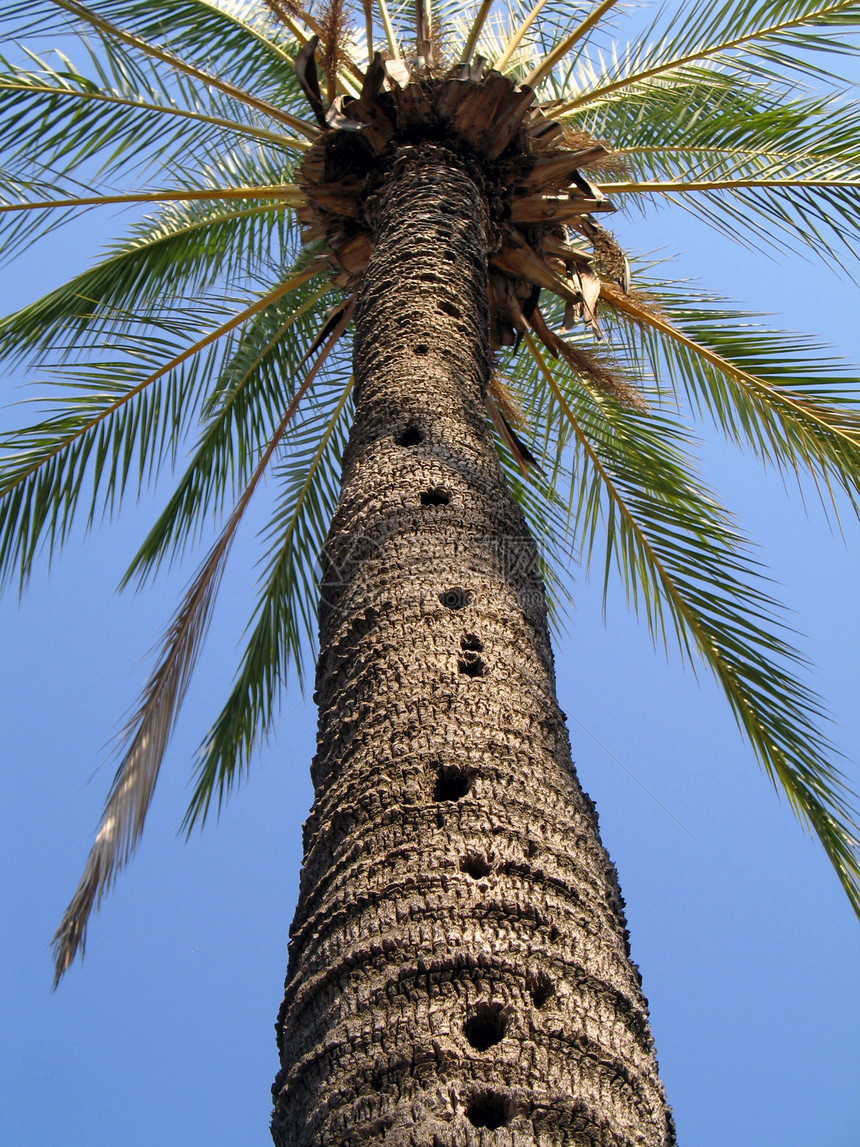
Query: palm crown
[221,316]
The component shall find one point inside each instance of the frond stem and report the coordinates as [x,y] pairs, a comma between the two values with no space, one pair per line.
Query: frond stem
[184,113]
[670,185]
[389,29]
[563,47]
[517,37]
[105,26]
[475,31]
[367,6]
[289,192]
[176,361]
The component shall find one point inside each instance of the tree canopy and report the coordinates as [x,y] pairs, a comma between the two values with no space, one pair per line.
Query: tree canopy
[209,340]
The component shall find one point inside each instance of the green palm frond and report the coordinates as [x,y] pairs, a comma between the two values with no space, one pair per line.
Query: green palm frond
[286,611]
[238,41]
[242,409]
[61,118]
[41,17]
[763,39]
[726,129]
[114,419]
[686,571]
[187,249]
[396,25]
[57,121]
[768,391]
[788,175]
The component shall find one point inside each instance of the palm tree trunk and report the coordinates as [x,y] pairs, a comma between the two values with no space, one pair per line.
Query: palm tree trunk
[459,961]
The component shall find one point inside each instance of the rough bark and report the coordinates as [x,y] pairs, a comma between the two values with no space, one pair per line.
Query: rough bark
[459,971]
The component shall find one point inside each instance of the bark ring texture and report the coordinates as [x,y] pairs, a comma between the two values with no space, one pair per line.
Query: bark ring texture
[459,972]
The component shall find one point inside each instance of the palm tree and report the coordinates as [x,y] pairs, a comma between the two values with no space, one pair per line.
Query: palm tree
[459,957]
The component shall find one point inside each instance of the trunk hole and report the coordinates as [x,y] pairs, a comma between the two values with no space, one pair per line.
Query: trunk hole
[449,308]
[455,597]
[486,1027]
[541,988]
[421,348]
[472,666]
[471,642]
[452,783]
[475,865]
[489,1109]
[435,498]
[411,436]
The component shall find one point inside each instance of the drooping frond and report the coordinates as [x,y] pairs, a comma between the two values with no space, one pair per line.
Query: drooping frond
[287,194]
[518,450]
[765,390]
[286,611]
[254,385]
[147,734]
[685,569]
[148,731]
[104,427]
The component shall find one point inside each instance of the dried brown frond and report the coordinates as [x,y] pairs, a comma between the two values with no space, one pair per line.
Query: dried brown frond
[574,139]
[283,8]
[505,400]
[147,732]
[588,366]
[612,166]
[609,259]
[519,451]
[443,56]
[335,22]
[146,736]
[637,305]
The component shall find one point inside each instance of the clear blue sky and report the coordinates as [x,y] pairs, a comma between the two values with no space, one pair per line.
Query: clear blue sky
[749,950]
